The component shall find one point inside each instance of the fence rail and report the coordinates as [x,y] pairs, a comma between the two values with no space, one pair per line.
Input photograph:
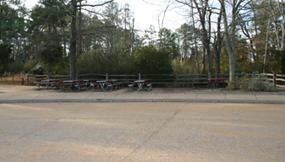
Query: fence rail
[162,80]
[277,79]
[12,79]
[159,80]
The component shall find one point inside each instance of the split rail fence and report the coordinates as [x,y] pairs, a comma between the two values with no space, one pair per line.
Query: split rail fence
[165,80]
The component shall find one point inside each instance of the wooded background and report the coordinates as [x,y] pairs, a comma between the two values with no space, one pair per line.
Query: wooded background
[75,37]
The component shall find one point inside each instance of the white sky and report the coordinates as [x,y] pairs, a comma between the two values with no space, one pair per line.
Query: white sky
[146,12]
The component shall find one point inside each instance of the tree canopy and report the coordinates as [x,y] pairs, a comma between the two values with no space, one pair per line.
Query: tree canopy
[225,37]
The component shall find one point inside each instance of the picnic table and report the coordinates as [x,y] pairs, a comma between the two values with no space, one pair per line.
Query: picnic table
[108,85]
[217,82]
[77,85]
[141,85]
[49,83]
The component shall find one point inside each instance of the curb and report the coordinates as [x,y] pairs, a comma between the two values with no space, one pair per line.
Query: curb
[231,101]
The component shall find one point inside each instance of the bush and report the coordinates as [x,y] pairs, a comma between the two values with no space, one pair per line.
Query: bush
[252,84]
[149,60]
[99,62]
[38,69]
[5,58]
[51,54]
[258,84]
[185,67]
[16,67]
[28,65]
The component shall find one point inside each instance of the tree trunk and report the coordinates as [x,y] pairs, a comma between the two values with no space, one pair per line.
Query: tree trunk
[73,70]
[266,46]
[218,45]
[229,42]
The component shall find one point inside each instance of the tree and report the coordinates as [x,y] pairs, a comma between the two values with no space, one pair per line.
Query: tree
[5,57]
[75,6]
[235,6]
[12,26]
[204,12]
[49,20]
[217,45]
[168,42]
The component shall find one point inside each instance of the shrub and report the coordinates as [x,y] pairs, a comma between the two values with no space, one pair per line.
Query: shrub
[28,65]
[16,67]
[185,67]
[51,54]
[99,62]
[5,58]
[149,60]
[258,84]
[38,69]
[252,84]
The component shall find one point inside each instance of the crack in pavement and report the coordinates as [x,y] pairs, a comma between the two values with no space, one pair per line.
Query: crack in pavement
[155,132]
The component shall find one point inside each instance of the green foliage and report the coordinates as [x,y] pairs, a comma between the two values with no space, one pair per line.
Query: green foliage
[53,60]
[38,69]
[61,67]
[5,58]
[185,67]
[168,42]
[16,67]
[28,65]
[149,60]
[51,54]
[97,61]
[12,24]
[276,61]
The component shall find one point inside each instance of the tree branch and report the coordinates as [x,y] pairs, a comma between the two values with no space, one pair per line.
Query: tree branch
[95,5]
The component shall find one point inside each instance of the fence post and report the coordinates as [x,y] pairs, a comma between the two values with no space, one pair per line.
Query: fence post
[140,77]
[107,76]
[274,79]
[28,79]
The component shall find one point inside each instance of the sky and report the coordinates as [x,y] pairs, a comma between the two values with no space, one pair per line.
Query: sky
[146,12]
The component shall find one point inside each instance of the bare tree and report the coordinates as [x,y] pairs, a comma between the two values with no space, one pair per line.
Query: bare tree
[235,6]
[217,45]
[204,14]
[77,5]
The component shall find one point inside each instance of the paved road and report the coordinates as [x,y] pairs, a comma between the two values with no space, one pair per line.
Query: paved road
[142,132]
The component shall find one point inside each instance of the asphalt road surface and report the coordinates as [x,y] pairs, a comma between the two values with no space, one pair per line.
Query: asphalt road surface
[142,132]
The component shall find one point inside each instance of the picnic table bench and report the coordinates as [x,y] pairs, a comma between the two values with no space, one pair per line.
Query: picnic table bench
[78,85]
[108,85]
[49,83]
[217,82]
[140,85]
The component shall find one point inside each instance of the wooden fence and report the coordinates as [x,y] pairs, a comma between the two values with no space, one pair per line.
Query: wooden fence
[278,80]
[157,80]
[12,79]
[164,80]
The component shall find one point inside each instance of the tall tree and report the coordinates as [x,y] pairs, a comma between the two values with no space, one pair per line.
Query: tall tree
[235,7]
[204,12]
[75,6]
[168,42]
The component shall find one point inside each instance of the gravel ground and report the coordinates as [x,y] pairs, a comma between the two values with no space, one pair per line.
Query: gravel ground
[142,132]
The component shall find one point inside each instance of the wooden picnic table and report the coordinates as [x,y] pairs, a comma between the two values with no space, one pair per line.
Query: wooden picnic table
[218,82]
[49,83]
[141,85]
[106,85]
[78,85]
